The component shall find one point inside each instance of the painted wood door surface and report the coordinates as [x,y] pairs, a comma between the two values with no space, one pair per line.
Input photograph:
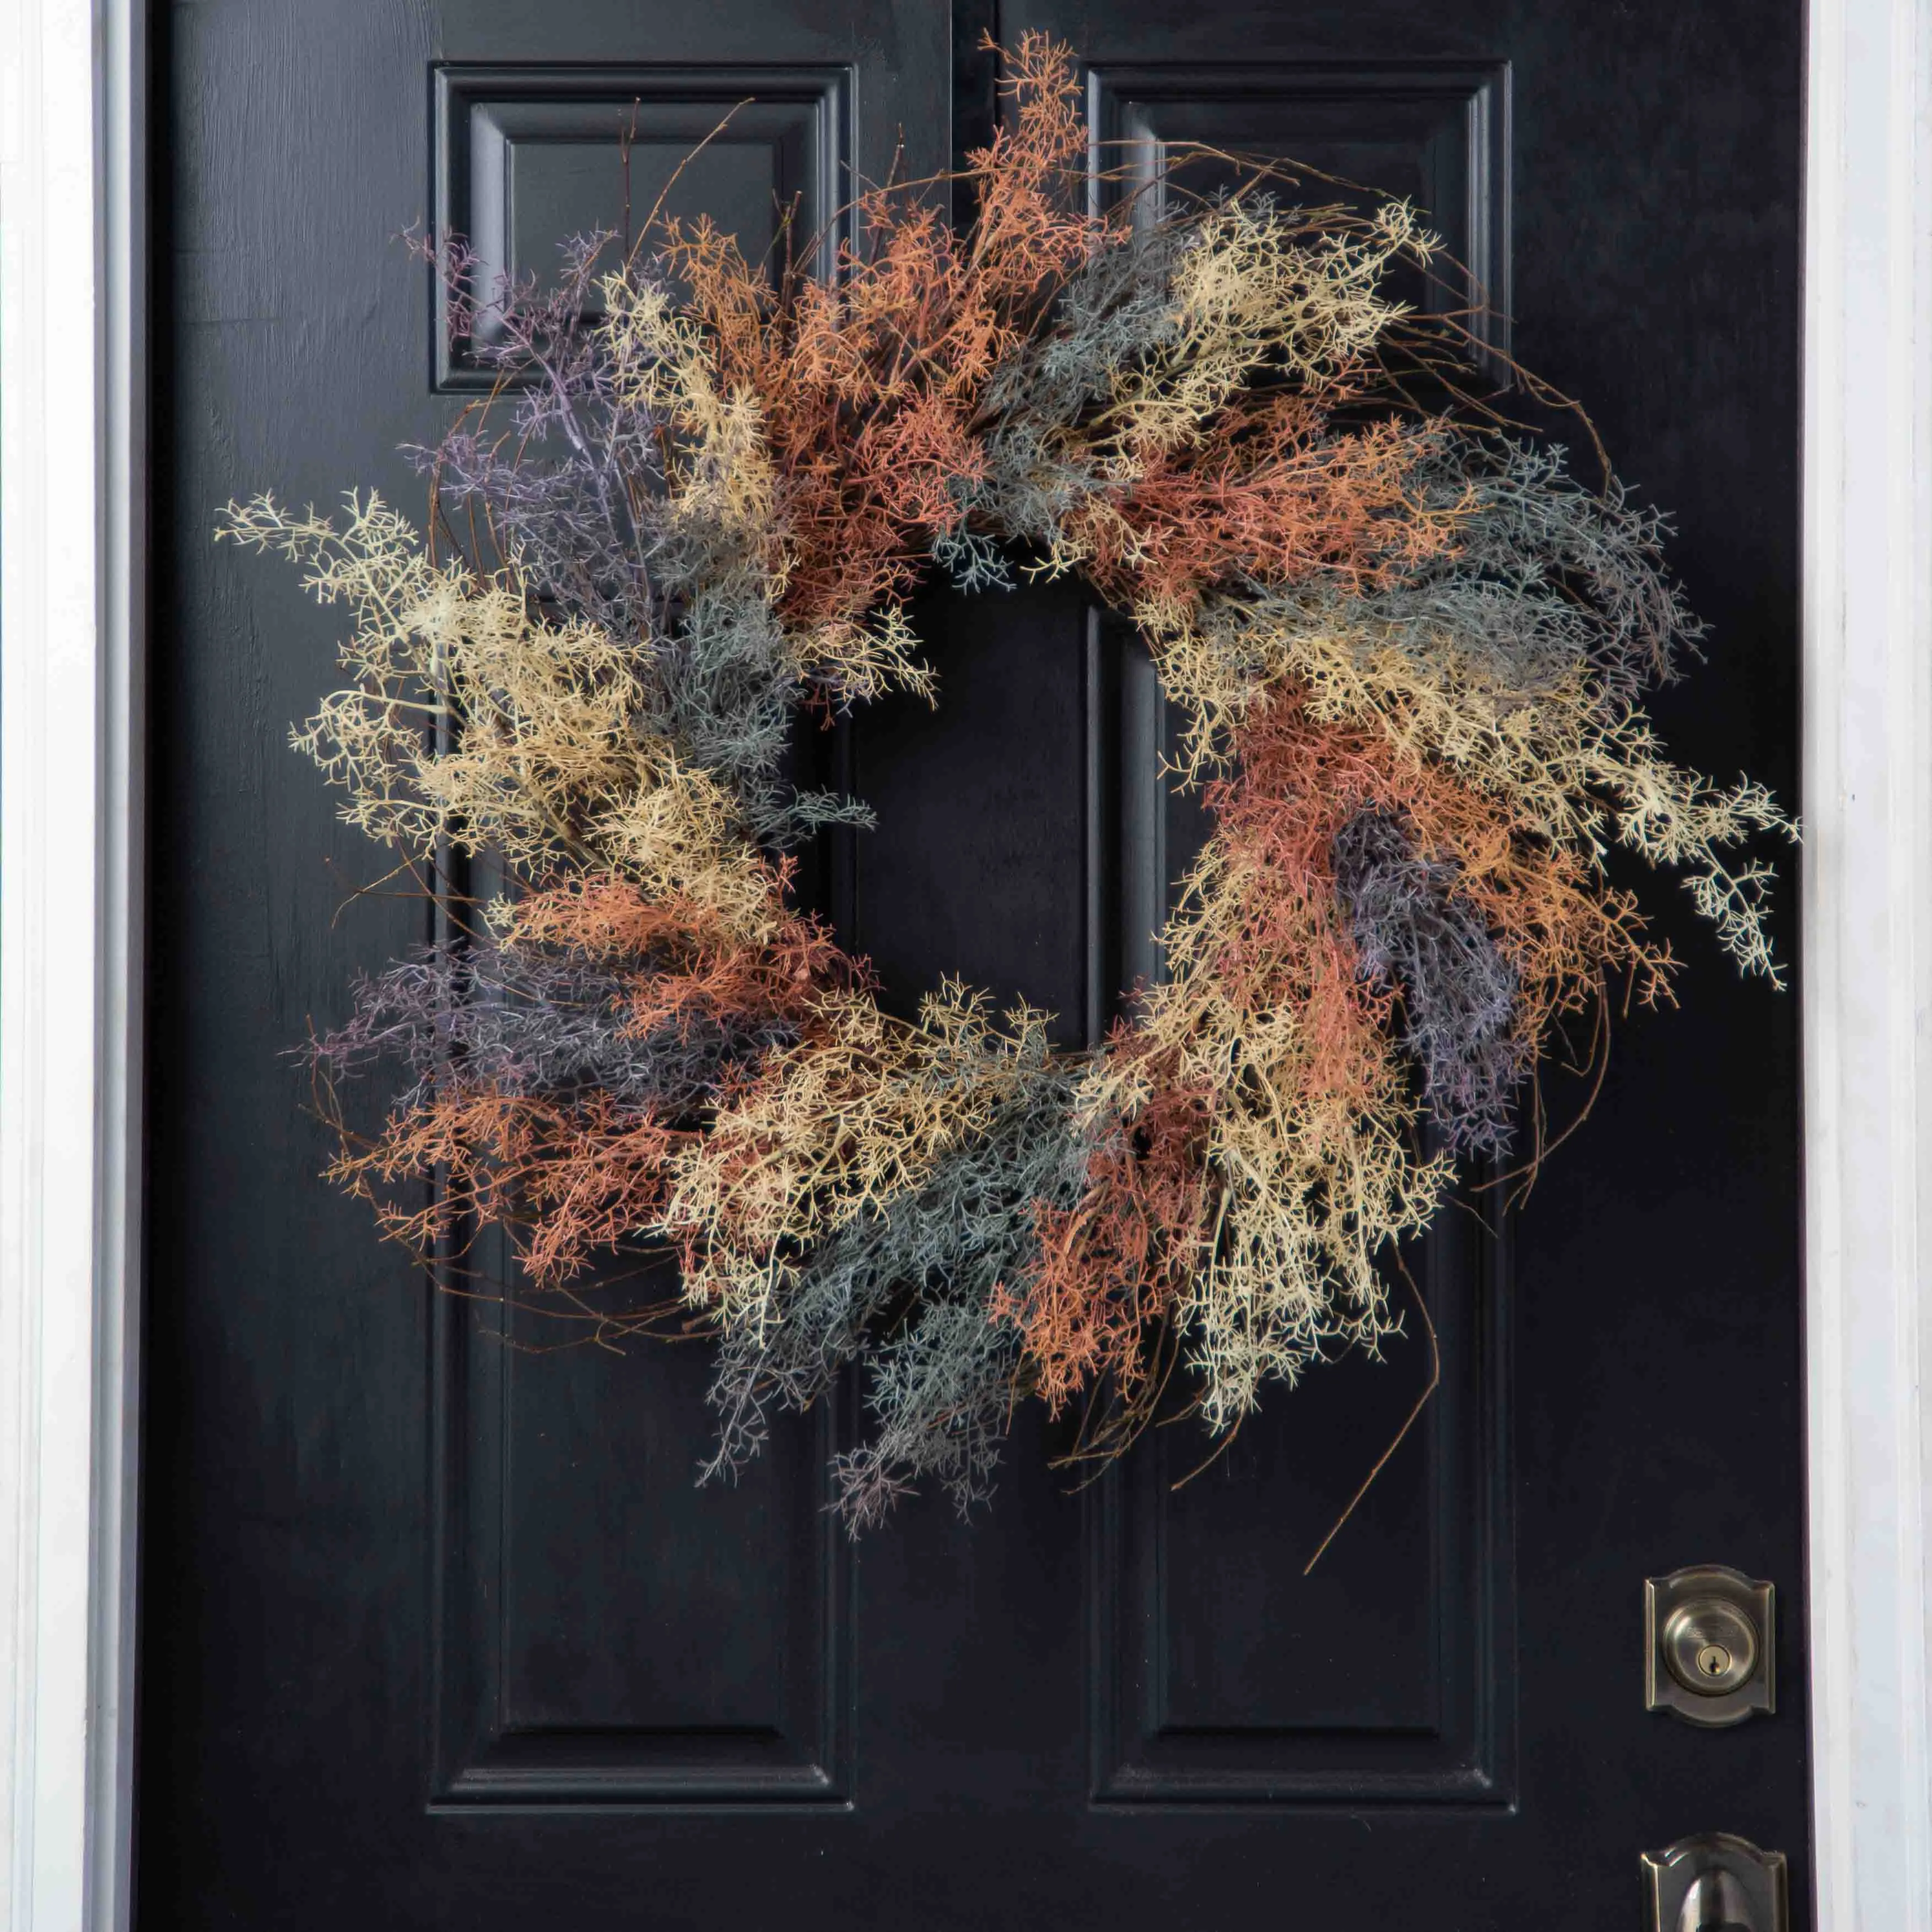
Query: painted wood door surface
[438,1632]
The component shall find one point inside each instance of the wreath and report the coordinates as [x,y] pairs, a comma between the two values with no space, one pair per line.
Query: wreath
[1408,647]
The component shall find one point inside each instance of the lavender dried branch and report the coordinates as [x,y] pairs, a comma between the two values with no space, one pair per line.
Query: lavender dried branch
[1415,932]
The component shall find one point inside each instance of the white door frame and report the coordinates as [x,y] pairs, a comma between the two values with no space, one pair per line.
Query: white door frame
[73,491]
[1866,958]
[73,564]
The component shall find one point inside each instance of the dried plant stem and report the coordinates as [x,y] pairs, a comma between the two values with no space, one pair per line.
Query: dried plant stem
[1382,1462]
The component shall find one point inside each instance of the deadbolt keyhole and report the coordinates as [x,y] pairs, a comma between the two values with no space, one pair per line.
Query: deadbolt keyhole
[1709,1645]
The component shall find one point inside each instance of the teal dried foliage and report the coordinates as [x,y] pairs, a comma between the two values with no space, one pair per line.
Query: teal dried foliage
[908,1289]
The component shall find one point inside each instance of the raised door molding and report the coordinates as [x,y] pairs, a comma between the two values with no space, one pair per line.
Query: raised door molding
[525,155]
[1435,132]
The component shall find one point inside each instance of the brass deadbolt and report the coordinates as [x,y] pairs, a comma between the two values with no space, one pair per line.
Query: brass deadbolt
[1709,1646]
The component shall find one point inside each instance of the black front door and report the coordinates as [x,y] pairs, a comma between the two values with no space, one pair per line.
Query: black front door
[437,1631]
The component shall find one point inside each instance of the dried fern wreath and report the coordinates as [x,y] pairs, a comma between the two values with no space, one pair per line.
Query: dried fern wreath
[1409,648]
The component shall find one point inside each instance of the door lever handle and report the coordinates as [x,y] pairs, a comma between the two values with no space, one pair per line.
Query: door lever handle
[1715,1883]
[1716,1903]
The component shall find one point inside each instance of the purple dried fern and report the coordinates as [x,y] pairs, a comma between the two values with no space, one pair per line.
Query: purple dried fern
[1415,932]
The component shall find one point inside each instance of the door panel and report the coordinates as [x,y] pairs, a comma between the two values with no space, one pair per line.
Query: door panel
[992,785]
[1221,1674]
[528,155]
[607,1634]
[437,1629]
[1435,132]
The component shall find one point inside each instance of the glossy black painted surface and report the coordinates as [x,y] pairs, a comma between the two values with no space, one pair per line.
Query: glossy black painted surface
[437,1633]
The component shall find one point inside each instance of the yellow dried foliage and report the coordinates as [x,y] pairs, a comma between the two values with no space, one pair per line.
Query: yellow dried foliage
[1309,1150]
[864,661]
[660,362]
[470,719]
[859,1112]
[1254,289]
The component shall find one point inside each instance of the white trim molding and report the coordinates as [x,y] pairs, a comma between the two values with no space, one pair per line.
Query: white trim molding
[72,573]
[1868,956]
